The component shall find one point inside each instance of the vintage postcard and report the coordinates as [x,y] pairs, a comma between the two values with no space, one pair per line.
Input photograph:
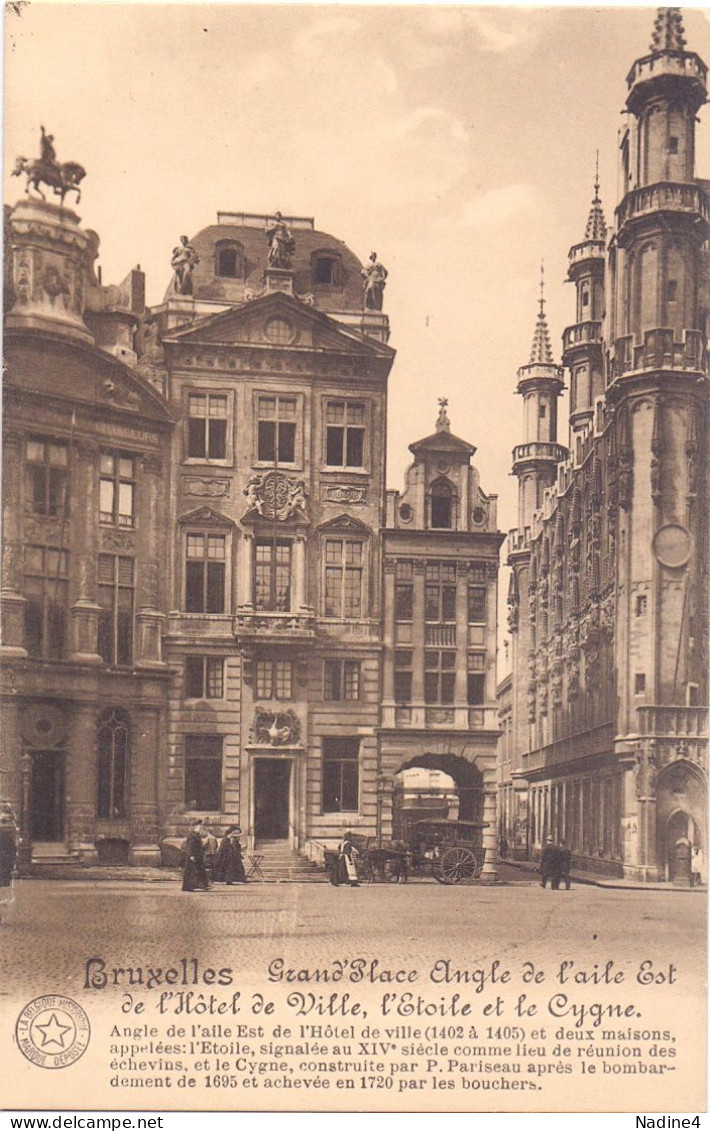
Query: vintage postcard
[355,558]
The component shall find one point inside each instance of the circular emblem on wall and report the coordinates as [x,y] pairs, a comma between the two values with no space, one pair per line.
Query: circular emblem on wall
[443,467]
[42,725]
[52,1031]
[279,331]
[406,513]
[673,545]
[479,516]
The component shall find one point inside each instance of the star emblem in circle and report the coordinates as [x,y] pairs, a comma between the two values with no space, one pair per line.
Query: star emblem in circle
[53,1032]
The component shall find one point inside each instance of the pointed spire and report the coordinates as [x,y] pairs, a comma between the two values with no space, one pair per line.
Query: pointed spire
[443,424]
[596,224]
[541,352]
[668,31]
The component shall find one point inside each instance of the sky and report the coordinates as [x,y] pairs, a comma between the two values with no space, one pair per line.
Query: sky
[457,142]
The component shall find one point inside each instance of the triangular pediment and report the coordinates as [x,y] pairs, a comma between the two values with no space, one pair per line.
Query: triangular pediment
[443,442]
[205,516]
[279,321]
[345,523]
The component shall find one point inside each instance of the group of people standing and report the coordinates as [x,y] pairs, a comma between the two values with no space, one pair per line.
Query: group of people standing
[206,862]
[555,864]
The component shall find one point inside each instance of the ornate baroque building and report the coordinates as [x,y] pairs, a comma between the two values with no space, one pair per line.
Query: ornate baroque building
[606,714]
[195,514]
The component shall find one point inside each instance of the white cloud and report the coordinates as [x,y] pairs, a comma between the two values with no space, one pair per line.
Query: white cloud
[496,207]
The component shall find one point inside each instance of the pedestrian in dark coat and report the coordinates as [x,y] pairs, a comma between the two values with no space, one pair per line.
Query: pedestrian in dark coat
[194,876]
[550,864]
[345,872]
[229,865]
[565,864]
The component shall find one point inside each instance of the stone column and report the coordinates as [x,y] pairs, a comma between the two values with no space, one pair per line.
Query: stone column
[299,574]
[11,768]
[418,636]
[84,527]
[149,619]
[81,781]
[388,703]
[461,679]
[147,738]
[489,873]
[12,603]
[245,591]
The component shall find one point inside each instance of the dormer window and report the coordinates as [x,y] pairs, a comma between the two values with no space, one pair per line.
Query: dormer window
[326,269]
[229,259]
[442,505]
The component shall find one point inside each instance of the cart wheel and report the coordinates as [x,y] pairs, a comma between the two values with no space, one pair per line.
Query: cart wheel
[457,865]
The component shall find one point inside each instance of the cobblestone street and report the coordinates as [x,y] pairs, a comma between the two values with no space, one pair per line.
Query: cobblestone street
[54,927]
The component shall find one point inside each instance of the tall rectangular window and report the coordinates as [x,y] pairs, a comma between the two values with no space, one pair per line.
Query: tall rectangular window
[45,588]
[345,434]
[203,772]
[46,463]
[207,426]
[476,605]
[403,660]
[440,592]
[204,677]
[276,424]
[272,575]
[116,598]
[274,679]
[344,574]
[404,591]
[116,488]
[341,775]
[205,573]
[341,679]
[439,676]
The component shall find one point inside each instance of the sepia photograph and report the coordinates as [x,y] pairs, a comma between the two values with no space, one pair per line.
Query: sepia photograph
[354,639]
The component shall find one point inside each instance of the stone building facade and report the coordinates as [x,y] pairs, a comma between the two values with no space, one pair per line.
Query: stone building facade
[193,583]
[608,592]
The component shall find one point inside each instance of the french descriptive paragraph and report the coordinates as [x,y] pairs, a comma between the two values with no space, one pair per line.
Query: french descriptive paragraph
[355,1025]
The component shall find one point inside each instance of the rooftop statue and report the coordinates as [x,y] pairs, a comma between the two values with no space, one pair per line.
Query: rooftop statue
[374,276]
[183,262]
[61,178]
[281,243]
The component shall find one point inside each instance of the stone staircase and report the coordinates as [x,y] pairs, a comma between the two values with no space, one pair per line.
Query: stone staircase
[282,864]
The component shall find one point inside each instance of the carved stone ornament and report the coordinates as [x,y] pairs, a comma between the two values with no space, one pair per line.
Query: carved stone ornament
[209,488]
[42,725]
[343,493]
[276,496]
[121,540]
[116,394]
[276,728]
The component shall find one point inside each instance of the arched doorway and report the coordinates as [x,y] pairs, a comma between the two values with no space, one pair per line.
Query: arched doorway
[680,811]
[467,779]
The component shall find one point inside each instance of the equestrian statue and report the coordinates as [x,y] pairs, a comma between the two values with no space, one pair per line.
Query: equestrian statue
[61,178]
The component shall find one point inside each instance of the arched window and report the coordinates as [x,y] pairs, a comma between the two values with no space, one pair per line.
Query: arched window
[326,269]
[442,505]
[229,259]
[112,750]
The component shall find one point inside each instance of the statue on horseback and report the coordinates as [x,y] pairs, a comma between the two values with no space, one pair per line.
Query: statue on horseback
[60,177]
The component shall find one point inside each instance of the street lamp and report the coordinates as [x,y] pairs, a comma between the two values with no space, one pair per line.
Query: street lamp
[24,848]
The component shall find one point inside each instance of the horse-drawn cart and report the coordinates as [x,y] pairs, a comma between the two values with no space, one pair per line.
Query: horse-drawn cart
[450,851]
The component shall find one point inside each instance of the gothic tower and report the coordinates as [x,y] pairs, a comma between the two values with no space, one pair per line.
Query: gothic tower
[582,342]
[658,395]
[540,383]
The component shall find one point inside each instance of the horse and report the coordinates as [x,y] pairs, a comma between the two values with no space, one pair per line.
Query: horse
[61,179]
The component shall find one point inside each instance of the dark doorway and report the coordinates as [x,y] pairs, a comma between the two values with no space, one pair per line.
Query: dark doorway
[272,780]
[47,797]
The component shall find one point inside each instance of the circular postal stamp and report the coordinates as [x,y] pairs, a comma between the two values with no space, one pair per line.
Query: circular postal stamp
[52,1031]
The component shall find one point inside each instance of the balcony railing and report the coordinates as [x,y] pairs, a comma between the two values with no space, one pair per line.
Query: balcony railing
[598,740]
[441,635]
[540,451]
[285,626]
[582,334]
[665,196]
[683,722]
[588,249]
